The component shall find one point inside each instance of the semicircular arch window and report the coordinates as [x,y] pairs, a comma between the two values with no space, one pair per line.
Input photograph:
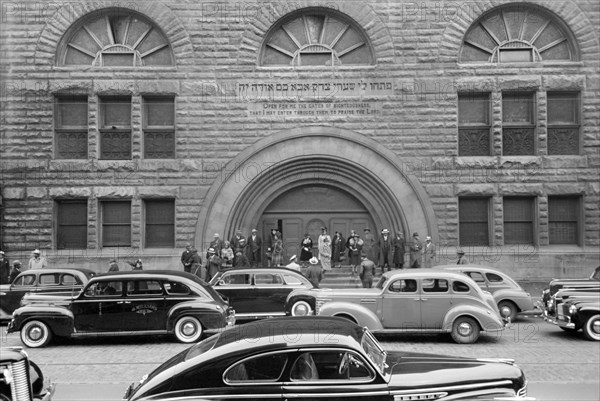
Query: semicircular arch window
[316,38]
[517,33]
[115,39]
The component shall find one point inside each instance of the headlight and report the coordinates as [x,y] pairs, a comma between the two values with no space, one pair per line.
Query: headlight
[572,309]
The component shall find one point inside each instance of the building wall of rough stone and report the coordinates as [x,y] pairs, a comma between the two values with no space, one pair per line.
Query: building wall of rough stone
[216,46]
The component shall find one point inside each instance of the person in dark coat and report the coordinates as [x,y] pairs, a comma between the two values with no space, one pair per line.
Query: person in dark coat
[399,249]
[366,271]
[254,248]
[216,244]
[4,269]
[186,258]
[238,243]
[338,247]
[314,273]
[356,248]
[14,272]
[369,245]
[137,265]
[306,248]
[462,260]
[213,264]
[113,266]
[415,251]
[386,250]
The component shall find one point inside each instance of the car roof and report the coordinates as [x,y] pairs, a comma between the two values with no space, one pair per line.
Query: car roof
[87,272]
[425,273]
[261,270]
[163,272]
[471,266]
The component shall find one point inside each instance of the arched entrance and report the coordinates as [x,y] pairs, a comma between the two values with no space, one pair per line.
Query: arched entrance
[308,208]
[340,161]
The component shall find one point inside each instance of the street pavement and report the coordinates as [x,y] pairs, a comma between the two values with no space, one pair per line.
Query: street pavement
[558,365]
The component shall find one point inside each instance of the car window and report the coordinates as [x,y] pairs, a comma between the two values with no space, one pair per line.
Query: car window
[459,286]
[329,365]
[493,278]
[104,289]
[174,288]
[69,279]
[267,279]
[434,285]
[292,280]
[49,279]
[26,279]
[258,369]
[403,285]
[143,288]
[235,279]
[476,276]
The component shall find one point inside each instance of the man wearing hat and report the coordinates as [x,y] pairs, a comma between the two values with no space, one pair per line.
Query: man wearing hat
[216,244]
[462,260]
[186,258]
[37,261]
[314,273]
[399,245]
[386,250]
[415,251]
[14,272]
[4,269]
[254,246]
[238,244]
[113,266]
[369,244]
[213,264]
[428,253]
[293,265]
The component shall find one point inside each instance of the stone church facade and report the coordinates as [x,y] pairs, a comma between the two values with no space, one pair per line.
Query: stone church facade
[131,128]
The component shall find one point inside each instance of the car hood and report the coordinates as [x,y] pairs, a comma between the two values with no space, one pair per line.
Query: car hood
[415,370]
[51,298]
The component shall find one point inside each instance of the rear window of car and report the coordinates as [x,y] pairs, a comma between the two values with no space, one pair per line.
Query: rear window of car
[459,286]
[494,278]
[174,288]
[292,280]
[49,279]
[435,285]
[144,287]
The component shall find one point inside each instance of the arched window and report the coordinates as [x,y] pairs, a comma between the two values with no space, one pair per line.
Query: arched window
[517,33]
[115,38]
[315,37]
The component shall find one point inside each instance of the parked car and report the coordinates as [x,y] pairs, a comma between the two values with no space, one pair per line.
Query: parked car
[142,302]
[414,301]
[316,358]
[20,378]
[568,288]
[510,297]
[580,313]
[256,293]
[64,281]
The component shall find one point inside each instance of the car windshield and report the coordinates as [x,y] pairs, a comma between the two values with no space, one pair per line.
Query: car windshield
[373,350]
[381,282]
[596,274]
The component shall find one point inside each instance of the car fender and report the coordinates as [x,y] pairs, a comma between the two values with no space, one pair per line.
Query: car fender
[519,298]
[487,319]
[58,318]
[361,315]
[210,314]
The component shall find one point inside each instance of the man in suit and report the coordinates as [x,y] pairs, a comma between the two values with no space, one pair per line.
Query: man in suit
[254,246]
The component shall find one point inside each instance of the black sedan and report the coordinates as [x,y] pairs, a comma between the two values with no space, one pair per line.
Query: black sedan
[65,281]
[256,293]
[142,302]
[321,358]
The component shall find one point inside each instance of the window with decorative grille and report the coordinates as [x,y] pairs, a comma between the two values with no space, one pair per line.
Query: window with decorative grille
[116,223]
[72,223]
[563,219]
[474,124]
[160,223]
[518,123]
[115,128]
[71,127]
[159,127]
[474,217]
[563,123]
[519,220]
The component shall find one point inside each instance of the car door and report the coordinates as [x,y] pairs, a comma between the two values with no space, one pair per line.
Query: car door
[271,292]
[23,284]
[333,375]
[99,307]
[143,307]
[236,286]
[436,301]
[401,304]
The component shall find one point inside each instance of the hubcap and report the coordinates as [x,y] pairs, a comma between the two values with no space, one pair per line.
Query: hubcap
[35,333]
[300,310]
[189,328]
[505,311]
[464,329]
[596,327]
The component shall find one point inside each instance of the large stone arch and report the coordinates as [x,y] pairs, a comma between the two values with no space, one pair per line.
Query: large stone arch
[320,155]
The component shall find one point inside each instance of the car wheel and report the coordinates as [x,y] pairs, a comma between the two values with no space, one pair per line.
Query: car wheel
[508,310]
[188,329]
[35,334]
[301,308]
[465,330]
[591,328]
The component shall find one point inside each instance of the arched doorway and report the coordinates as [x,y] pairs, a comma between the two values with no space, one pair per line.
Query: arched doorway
[308,208]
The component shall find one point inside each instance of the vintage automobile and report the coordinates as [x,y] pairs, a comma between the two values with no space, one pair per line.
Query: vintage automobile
[414,301]
[510,297]
[317,358]
[142,302]
[569,285]
[64,281]
[256,293]
[20,378]
[580,313]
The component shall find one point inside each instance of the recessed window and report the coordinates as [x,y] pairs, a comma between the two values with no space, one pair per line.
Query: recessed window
[563,123]
[517,33]
[71,127]
[160,223]
[116,223]
[72,223]
[115,128]
[473,216]
[518,123]
[519,220]
[159,128]
[316,38]
[474,124]
[563,219]
[115,39]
